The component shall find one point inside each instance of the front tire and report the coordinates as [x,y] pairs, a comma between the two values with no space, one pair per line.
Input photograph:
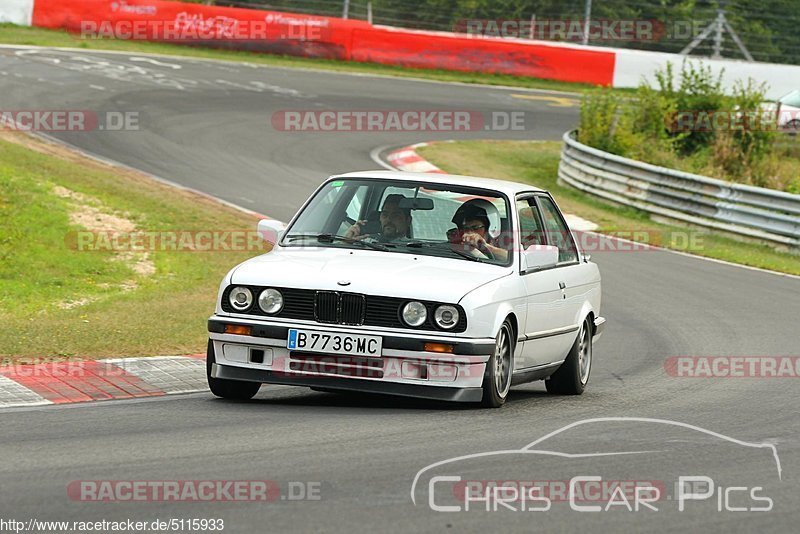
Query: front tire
[499,368]
[573,375]
[228,389]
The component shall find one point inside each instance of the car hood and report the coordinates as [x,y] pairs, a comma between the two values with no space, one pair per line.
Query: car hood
[369,272]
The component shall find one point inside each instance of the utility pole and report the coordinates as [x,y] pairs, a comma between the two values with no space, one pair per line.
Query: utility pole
[587,14]
[718,26]
[346,9]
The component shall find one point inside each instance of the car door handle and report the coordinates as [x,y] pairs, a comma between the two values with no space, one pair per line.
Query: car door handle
[562,285]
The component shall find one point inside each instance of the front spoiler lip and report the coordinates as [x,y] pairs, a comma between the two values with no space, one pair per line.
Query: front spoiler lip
[451,394]
[599,326]
[461,346]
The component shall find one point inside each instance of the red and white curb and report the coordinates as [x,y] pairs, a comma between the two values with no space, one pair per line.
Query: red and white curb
[64,382]
[408,160]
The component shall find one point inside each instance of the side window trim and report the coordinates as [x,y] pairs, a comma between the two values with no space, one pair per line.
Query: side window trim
[528,197]
[536,212]
[577,259]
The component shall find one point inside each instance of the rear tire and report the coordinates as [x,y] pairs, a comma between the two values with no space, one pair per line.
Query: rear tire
[573,375]
[499,368]
[228,389]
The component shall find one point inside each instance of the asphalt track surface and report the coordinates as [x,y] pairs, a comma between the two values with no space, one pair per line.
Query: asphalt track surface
[207,125]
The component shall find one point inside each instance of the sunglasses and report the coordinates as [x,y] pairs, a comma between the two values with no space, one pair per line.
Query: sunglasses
[472,228]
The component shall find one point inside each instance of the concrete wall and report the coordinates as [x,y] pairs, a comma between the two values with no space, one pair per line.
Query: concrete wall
[16,11]
[632,66]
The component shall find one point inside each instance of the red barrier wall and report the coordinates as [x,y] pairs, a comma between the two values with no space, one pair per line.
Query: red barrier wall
[221,27]
[323,37]
[437,50]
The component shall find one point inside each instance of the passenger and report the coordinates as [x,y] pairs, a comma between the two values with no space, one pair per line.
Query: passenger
[473,224]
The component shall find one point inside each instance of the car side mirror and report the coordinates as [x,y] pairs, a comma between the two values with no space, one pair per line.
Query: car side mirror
[270,230]
[537,257]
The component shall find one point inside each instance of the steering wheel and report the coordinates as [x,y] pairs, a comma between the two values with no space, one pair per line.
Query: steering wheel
[486,252]
[479,252]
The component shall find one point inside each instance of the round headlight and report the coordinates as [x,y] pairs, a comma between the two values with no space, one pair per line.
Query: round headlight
[240,298]
[270,301]
[414,313]
[446,316]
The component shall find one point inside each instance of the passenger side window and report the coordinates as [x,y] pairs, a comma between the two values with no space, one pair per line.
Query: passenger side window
[558,233]
[530,231]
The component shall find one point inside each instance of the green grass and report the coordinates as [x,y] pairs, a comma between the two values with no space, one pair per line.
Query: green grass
[40,268]
[536,162]
[20,35]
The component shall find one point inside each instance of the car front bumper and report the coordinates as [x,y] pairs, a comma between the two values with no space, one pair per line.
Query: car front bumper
[404,367]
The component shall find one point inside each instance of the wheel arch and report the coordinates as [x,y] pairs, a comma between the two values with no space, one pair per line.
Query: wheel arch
[512,318]
[504,312]
[587,312]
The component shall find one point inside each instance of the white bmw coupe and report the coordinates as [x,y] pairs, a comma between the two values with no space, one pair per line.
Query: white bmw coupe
[434,286]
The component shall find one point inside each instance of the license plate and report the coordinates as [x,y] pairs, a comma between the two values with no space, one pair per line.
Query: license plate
[331,343]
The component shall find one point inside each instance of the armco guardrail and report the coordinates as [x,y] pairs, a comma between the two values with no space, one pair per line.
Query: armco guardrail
[741,209]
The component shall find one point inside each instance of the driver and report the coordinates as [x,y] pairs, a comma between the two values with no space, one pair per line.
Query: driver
[473,224]
[395,222]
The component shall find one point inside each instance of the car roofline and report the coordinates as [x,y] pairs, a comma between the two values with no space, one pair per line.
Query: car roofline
[509,188]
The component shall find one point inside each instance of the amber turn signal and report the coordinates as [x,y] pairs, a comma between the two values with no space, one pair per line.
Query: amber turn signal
[438,347]
[240,329]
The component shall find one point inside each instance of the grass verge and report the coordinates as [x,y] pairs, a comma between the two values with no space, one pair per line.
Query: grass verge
[21,35]
[536,162]
[59,301]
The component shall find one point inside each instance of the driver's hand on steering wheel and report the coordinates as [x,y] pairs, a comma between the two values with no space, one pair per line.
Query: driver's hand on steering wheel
[473,239]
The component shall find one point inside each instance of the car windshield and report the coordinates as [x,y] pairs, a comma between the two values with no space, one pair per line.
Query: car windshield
[791,99]
[461,223]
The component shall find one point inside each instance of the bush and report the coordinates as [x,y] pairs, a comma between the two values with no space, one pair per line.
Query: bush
[599,120]
[661,125]
[698,92]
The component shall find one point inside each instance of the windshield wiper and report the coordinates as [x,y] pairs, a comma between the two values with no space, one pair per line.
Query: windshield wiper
[437,245]
[330,238]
